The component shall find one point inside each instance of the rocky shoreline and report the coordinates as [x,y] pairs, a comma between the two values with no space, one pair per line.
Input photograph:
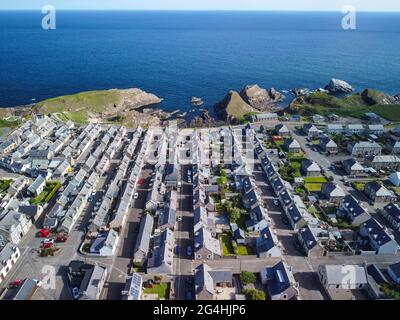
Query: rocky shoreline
[133,106]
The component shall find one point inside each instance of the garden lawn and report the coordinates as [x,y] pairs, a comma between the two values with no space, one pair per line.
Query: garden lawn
[4,184]
[314,184]
[47,194]
[315,180]
[160,289]
[313,187]
[359,186]
[226,242]
[243,250]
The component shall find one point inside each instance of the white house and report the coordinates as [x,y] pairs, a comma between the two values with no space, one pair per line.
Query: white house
[37,186]
[336,278]
[9,255]
[16,225]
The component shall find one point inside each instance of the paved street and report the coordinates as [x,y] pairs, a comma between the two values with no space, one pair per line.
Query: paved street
[184,236]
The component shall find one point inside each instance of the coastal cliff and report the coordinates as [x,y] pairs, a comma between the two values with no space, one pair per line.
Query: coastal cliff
[114,105]
[261,99]
[232,108]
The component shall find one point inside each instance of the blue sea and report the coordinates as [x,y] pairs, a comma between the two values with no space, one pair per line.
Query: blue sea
[177,55]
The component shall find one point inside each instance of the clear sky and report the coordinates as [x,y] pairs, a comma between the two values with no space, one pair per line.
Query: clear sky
[320,5]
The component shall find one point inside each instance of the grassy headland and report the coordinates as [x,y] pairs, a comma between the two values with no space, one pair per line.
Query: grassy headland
[355,105]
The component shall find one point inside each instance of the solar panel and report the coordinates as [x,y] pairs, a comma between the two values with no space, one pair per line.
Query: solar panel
[136,286]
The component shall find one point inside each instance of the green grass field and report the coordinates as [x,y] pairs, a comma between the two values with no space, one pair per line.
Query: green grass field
[161,289]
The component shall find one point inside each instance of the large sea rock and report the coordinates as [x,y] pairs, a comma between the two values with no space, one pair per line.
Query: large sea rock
[232,107]
[338,86]
[259,98]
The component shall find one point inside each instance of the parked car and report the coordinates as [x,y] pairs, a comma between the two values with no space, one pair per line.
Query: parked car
[48,241]
[75,293]
[177,249]
[179,218]
[44,233]
[136,195]
[16,283]
[189,251]
[61,238]
[276,202]
[47,245]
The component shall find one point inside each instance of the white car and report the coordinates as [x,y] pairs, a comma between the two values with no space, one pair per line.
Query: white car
[48,241]
[179,218]
[276,202]
[136,195]
[189,180]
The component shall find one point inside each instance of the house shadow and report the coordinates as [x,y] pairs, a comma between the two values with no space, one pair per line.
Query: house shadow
[309,281]
[288,242]
[132,230]
[65,293]
[114,290]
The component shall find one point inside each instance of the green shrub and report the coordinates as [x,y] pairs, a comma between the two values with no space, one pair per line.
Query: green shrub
[247,277]
[254,294]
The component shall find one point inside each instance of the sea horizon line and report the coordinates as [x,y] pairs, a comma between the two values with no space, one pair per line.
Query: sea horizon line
[201,10]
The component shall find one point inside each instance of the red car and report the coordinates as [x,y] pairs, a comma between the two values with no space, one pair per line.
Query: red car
[61,238]
[44,233]
[15,283]
[47,245]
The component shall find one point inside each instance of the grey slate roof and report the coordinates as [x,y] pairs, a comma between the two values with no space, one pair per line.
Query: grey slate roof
[145,231]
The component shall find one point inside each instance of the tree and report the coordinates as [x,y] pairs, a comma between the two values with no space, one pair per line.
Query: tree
[247,277]
[254,294]
[222,181]
[234,215]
